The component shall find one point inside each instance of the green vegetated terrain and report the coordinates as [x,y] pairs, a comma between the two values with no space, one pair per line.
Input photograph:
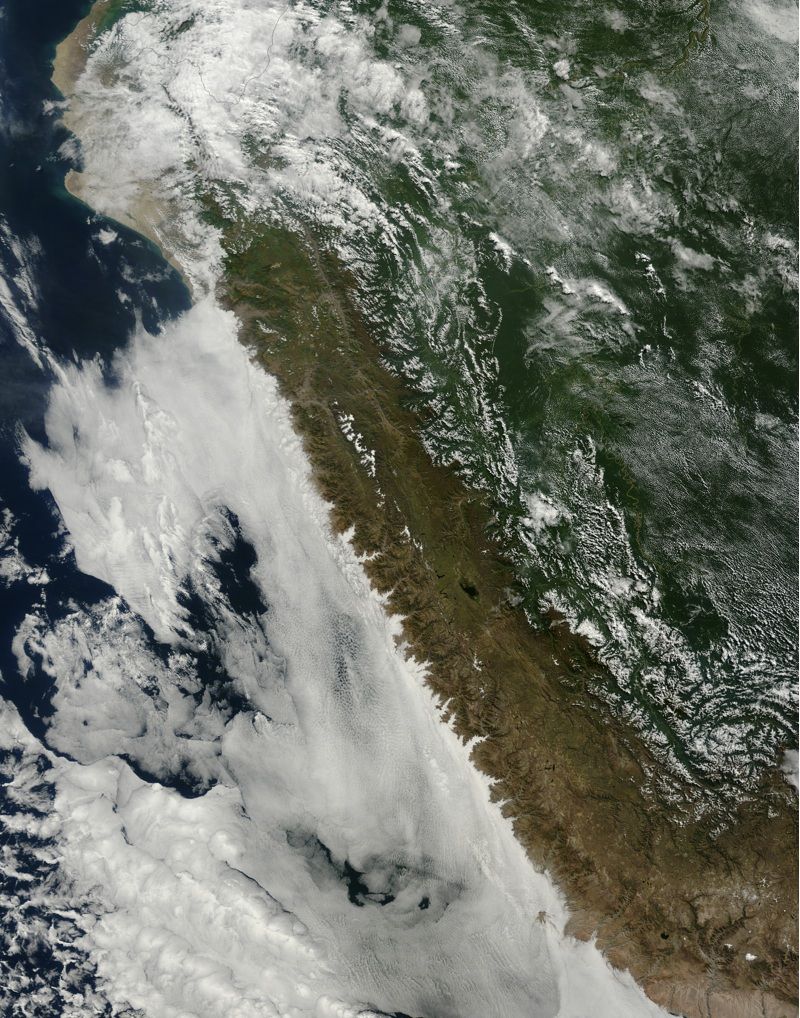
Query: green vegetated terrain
[569,396]
[670,898]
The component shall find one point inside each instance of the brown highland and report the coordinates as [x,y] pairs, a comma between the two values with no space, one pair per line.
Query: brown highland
[701,909]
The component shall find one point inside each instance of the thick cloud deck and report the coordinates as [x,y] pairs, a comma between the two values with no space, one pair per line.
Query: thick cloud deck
[317,842]
[431,156]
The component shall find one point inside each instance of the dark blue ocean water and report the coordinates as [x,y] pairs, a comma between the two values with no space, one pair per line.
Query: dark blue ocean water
[86,303]
[87,298]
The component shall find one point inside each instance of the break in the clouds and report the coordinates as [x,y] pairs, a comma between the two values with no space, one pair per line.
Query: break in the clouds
[258,810]
[427,156]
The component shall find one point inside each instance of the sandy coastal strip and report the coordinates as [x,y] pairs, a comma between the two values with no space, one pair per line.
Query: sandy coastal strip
[146,217]
[560,825]
[72,52]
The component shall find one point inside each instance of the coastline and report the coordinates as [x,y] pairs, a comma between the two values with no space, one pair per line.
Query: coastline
[570,775]
[142,220]
[68,64]
[71,52]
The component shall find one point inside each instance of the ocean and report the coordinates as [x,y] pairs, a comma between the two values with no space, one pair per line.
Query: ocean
[572,233]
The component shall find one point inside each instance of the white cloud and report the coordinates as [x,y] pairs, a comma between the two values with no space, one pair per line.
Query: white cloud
[778,19]
[789,766]
[234,902]
[693,259]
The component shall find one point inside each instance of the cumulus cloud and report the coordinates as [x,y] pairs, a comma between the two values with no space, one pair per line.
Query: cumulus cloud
[13,565]
[338,852]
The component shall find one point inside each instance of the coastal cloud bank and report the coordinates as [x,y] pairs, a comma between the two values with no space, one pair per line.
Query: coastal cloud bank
[260,811]
[239,794]
[514,223]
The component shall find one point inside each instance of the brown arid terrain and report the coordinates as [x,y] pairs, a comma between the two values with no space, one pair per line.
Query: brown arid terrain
[677,900]
[701,907]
